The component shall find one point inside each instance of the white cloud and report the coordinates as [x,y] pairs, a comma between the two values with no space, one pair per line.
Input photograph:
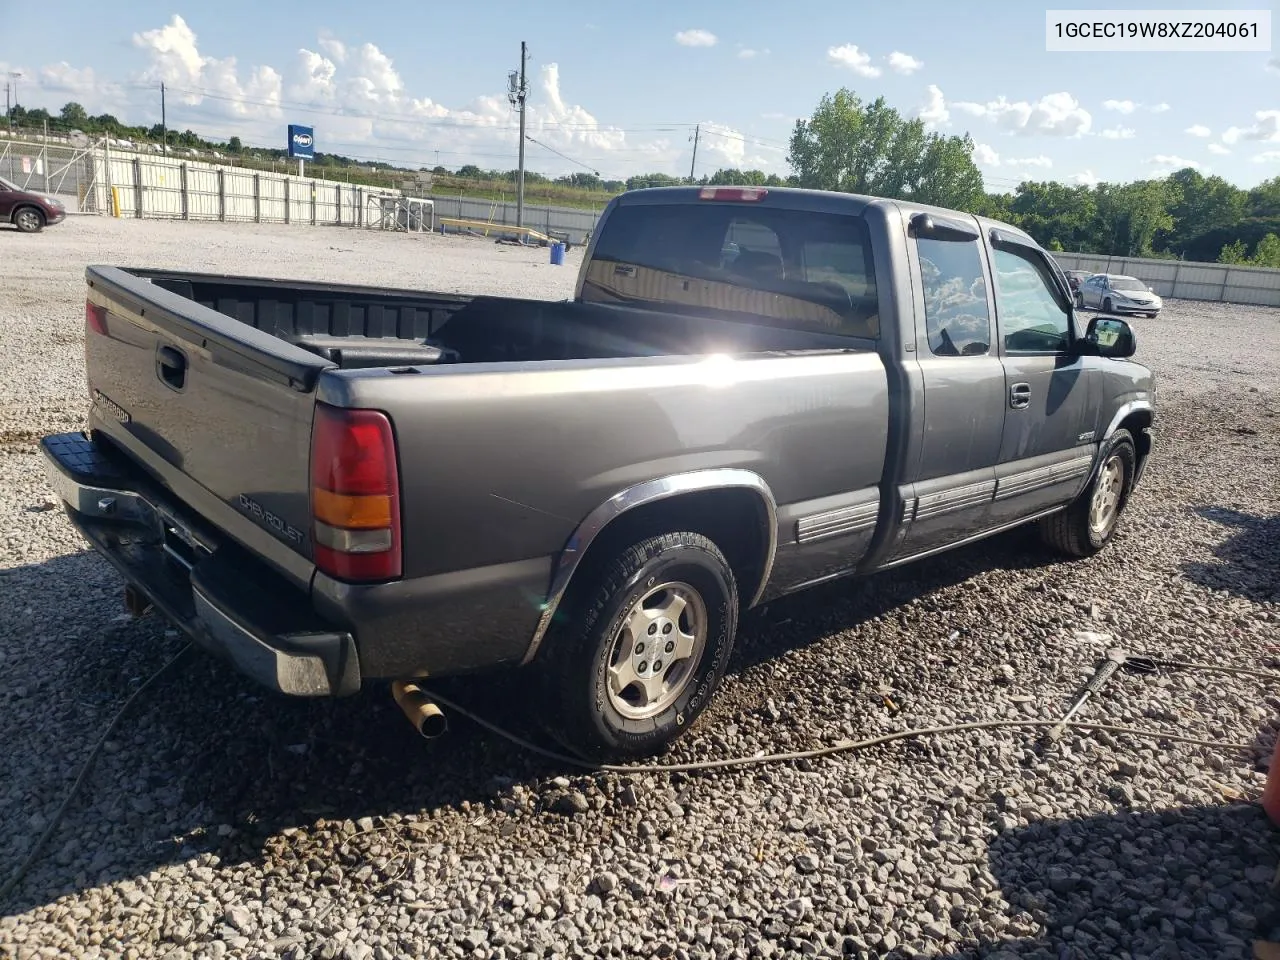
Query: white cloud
[1118,133]
[1161,108]
[1164,160]
[1274,64]
[904,63]
[850,56]
[1120,106]
[1219,150]
[65,78]
[696,38]
[335,49]
[985,156]
[1199,130]
[746,53]
[1057,114]
[1086,178]
[1041,161]
[1267,127]
[934,113]
[1267,156]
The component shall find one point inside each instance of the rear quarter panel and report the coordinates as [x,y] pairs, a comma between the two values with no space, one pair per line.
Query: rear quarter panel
[500,463]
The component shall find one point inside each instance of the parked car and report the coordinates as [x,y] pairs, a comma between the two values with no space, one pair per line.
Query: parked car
[1116,293]
[752,391]
[1075,278]
[27,210]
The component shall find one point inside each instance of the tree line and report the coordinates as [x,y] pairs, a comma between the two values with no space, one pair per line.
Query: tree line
[852,146]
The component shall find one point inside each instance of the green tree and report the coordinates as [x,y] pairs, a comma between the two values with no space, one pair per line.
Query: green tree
[1267,252]
[1055,211]
[1200,204]
[1130,215]
[234,145]
[1234,252]
[871,149]
[73,114]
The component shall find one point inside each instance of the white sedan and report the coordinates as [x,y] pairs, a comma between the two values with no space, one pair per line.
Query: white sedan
[1114,293]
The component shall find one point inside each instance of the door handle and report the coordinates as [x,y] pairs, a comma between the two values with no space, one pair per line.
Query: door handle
[1020,395]
[171,365]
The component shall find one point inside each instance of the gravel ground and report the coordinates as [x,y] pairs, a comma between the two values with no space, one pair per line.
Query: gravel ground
[223,821]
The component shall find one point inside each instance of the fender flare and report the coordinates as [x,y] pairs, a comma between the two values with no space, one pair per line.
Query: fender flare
[646,492]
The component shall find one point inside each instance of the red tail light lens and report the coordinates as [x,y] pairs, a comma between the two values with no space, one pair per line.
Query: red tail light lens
[733,193]
[355,494]
[95,318]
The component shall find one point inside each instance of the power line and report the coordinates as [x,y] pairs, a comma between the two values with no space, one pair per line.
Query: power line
[564,156]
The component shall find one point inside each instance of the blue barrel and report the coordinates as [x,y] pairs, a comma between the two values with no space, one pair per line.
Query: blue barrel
[557,253]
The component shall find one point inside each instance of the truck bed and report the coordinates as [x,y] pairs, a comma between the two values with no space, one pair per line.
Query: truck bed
[362,327]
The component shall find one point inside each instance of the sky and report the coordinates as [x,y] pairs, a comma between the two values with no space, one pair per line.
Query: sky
[619,89]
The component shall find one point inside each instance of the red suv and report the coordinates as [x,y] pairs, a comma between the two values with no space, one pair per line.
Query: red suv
[29,212]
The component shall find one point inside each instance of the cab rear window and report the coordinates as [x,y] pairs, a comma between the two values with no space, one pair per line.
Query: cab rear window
[778,267]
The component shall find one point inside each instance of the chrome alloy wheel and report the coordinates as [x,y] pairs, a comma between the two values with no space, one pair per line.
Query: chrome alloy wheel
[1106,496]
[656,652]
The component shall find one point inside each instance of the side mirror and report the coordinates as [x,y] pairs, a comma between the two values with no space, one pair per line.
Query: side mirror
[1110,337]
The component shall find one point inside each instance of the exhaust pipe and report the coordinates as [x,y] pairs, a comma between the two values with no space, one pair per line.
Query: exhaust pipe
[427,718]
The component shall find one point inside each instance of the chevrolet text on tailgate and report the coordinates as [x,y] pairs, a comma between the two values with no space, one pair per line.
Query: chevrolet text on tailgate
[751,391]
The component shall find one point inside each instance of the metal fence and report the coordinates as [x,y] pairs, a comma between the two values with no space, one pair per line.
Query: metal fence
[54,168]
[1186,279]
[127,184]
[577,223]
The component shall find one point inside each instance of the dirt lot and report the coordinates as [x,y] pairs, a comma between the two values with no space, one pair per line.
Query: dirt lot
[223,821]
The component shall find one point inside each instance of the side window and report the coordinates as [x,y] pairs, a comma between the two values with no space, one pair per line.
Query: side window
[955,298]
[1031,319]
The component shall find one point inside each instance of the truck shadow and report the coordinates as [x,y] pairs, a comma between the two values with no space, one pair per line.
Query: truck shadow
[1248,564]
[1191,882]
[207,762]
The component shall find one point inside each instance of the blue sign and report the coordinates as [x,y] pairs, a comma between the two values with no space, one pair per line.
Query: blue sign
[302,142]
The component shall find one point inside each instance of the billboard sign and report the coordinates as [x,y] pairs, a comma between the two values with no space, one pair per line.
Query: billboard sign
[302,142]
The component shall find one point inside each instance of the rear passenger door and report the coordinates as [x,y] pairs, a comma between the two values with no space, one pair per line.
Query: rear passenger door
[1052,398]
[953,482]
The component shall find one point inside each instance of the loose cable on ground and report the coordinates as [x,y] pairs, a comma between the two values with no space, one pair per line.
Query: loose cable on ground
[85,767]
[843,746]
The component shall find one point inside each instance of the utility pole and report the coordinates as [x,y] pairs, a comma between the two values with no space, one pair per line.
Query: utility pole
[164,125]
[697,131]
[8,111]
[518,94]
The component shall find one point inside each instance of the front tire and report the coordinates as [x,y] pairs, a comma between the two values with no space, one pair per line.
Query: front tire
[1080,301]
[643,648]
[28,220]
[1090,523]
[1106,305]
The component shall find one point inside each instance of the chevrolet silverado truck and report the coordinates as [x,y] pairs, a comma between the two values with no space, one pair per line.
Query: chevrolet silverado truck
[750,392]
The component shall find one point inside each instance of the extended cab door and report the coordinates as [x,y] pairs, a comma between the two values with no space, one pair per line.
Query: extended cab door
[1051,391]
[952,481]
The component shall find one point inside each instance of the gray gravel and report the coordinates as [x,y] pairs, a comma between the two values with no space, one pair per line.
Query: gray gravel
[223,821]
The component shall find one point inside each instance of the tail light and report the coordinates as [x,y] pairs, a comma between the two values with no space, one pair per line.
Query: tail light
[733,193]
[95,318]
[355,495]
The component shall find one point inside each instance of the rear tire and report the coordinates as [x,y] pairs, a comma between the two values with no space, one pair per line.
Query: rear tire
[28,219]
[614,681]
[1089,524]
[1080,301]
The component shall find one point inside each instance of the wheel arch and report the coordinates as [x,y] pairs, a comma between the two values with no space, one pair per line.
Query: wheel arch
[734,508]
[13,214]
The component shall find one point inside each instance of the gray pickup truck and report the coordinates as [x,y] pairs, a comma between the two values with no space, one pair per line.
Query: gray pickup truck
[752,391]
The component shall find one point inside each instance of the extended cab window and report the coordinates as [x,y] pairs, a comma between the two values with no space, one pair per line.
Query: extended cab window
[955,298]
[787,268]
[1031,318]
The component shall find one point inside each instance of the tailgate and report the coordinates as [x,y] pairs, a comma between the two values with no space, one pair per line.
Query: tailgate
[216,410]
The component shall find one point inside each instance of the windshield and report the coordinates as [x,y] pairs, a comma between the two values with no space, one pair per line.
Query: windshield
[1128,283]
[786,267]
